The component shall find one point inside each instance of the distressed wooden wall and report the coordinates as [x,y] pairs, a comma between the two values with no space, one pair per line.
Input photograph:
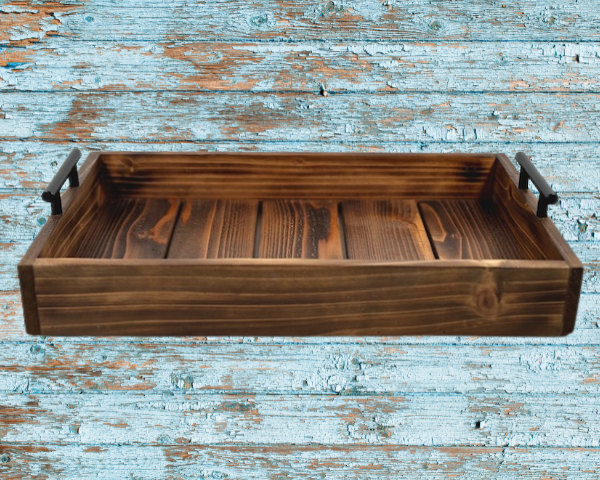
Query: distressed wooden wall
[414,75]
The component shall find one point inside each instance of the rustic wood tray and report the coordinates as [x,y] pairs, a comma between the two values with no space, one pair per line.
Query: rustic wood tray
[299,244]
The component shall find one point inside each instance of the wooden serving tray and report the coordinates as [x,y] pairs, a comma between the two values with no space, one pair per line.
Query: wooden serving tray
[299,244]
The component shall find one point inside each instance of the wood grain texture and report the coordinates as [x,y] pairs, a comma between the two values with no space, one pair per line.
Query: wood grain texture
[109,228]
[544,231]
[60,64]
[248,117]
[587,251]
[240,462]
[300,229]
[295,298]
[12,332]
[128,228]
[307,366]
[215,229]
[314,20]
[298,175]
[385,230]
[509,420]
[475,229]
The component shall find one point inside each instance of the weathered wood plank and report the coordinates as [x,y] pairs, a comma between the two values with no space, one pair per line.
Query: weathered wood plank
[569,167]
[337,366]
[302,20]
[240,462]
[415,117]
[300,229]
[407,420]
[61,64]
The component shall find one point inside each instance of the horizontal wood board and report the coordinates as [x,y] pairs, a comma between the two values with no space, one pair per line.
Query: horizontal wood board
[486,77]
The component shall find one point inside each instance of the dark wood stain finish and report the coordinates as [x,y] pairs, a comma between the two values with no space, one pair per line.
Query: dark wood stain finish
[300,229]
[299,176]
[385,230]
[299,244]
[296,297]
[474,229]
[129,228]
[215,229]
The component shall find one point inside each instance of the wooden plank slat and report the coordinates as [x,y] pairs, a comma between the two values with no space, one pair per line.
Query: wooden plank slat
[237,462]
[304,366]
[293,20]
[61,64]
[215,229]
[385,230]
[300,229]
[128,228]
[473,229]
[283,117]
[509,419]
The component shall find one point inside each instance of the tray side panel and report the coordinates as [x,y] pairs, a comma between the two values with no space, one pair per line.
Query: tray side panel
[332,176]
[526,228]
[215,229]
[87,171]
[74,223]
[82,297]
[385,230]
[300,229]
[555,237]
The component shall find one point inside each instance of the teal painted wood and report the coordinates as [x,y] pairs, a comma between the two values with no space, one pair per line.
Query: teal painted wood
[415,76]
[464,20]
[408,420]
[312,462]
[266,67]
[440,420]
[254,117]
[319,367]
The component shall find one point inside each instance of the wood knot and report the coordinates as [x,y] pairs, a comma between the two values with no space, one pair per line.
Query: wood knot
[487,299]
[128,164]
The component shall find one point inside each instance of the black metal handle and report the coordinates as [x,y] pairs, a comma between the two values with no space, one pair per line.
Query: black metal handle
[67,170]
[529,172]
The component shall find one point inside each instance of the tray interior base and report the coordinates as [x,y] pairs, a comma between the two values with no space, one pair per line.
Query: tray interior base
[395,230]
